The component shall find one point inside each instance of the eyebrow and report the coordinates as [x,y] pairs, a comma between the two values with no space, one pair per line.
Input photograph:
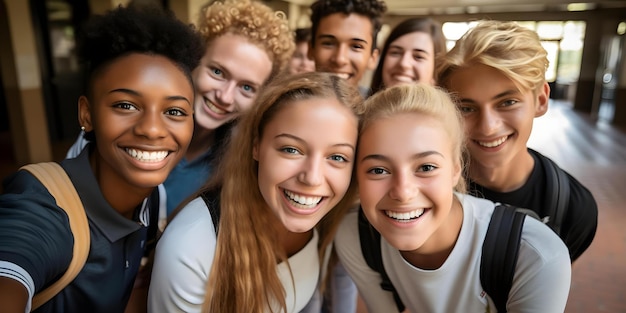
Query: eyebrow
[138,94]
[302,141]
[385,158]
[401,48]
[323,36]
[498,96]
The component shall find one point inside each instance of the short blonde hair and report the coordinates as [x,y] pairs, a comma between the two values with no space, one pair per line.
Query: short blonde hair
[510,48]
[264,27]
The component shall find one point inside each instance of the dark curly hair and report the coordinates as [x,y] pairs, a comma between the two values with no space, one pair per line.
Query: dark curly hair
[133,29]
[372,9]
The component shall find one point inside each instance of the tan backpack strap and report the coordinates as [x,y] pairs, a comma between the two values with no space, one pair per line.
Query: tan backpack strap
[54,178]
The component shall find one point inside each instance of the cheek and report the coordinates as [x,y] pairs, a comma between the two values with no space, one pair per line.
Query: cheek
[244,105]
[340,180]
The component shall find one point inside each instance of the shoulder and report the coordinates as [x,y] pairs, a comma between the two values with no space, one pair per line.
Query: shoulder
[541,244]
[348,231]
[193,221]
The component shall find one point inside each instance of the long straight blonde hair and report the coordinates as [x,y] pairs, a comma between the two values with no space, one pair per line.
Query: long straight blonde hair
[243,277]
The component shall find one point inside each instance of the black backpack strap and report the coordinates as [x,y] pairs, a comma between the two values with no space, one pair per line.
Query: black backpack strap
[153,227]
[558,191]
[370,248]
[499,255]
[212,202]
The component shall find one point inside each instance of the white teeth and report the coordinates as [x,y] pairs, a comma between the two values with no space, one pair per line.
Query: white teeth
[342,75]
[147,156]
[492,144]
[405,216]
[213,108]
[302,201]
[404,79]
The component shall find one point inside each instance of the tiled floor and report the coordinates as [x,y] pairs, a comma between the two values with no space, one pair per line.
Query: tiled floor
[594,153]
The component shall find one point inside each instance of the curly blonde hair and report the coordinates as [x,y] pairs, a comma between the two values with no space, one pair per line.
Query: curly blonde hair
[264,27]
[510,48]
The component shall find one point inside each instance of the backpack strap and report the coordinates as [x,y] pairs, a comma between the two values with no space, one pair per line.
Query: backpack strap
[54,178]
[499,253]
[212,202]
[558,189]
[370,248]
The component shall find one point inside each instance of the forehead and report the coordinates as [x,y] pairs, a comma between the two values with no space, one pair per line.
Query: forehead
[313,115]
[345,27]
[480,81]
[414,41]
[139,68]
[403,133]
[240,57]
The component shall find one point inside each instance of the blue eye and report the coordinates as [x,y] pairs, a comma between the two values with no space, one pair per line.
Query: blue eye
[290,150]
[338,158]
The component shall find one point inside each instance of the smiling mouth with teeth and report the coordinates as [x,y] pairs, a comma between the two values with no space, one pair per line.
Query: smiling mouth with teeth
[147,156]
[405,216]
[493,144]
[214,108]
[303,202]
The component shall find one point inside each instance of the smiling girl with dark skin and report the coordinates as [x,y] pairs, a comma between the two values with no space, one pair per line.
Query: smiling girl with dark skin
[137,114]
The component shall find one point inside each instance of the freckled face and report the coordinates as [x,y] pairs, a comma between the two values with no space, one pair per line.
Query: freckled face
[228,79]
[305,156]
[406,174]
[409,59]
[141,114]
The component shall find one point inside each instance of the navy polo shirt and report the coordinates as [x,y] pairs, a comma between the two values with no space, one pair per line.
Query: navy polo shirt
[36,242]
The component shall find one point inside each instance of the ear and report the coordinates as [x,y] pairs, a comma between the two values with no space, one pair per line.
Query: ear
[543,97]
[84,114]
[373,61]
[255,150]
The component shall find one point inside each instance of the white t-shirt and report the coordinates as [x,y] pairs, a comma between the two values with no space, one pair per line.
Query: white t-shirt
[184,256]
[541,282]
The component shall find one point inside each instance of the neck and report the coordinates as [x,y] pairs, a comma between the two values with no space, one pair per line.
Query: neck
[505,178]
[120,195]
[201,141]
[436,250]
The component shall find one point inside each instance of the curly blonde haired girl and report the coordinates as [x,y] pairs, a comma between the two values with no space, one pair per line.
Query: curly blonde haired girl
[264,27]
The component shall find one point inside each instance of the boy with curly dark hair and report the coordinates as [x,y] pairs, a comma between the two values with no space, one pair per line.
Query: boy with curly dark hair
[137,111]
[344,36]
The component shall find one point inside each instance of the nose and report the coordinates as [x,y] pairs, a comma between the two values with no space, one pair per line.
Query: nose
[312,173]
[403,188]
[407,60]
[489,121]
[151,124]
[226,94]
[340,57]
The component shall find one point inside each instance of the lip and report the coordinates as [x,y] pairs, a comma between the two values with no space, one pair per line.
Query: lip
[301,209]
[404,223]
[496,143]
[403,78]
[214,110]
[148,159]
